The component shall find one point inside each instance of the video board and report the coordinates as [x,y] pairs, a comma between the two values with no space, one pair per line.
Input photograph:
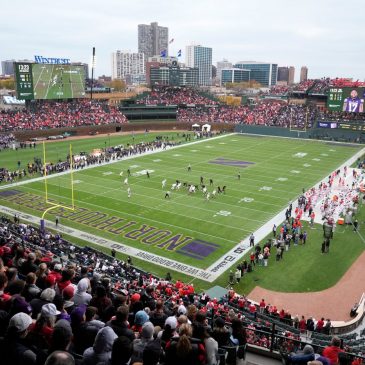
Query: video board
[49,81]
[346,99]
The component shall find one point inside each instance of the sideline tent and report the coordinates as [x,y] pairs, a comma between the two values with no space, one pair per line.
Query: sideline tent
[195,126]
[206,127]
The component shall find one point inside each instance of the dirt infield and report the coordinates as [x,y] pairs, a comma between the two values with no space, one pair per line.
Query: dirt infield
[334,303]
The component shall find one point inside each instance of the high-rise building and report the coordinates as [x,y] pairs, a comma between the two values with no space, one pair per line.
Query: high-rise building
[304,73]
[174,75]
[153,40]
[221,65]
[283,74]
[264,73]
[291,75]
[128,66]
[7,67]
[234,75]
[201,58]
[286,74]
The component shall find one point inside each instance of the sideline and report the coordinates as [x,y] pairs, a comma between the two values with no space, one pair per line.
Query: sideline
[168,148]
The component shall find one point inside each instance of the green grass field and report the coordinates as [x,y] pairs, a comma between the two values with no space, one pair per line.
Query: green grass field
[58,81]
[188,228]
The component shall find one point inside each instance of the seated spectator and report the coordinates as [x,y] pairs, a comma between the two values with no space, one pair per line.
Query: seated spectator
[60,358]
[139,344]
[29,265]
[18,352]
[100,352]
[46,297]
[184,349]
[4,298]
[61,340]
[332,351]
[220,332]
[300,357]
[158,316]
[121,351]
[238,336]
[31,290]
[119,323]
[101,301]
[40,333]
[140,319]
[81,296]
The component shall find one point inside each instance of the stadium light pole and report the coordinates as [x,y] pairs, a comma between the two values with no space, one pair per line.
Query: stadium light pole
[92,73]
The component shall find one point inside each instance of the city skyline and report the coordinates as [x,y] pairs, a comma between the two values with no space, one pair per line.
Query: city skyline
[315,34]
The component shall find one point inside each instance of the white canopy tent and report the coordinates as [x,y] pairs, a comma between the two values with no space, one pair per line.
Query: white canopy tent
[206,127]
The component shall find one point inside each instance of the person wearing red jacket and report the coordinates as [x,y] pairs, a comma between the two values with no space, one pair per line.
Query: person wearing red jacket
[331,352]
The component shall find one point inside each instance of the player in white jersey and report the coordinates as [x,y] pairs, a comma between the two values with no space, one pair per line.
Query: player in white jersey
[121,174]
[163,183]
[205,190]
[173,186]
[178,186]
[214,193]
[207,196]
[126,181]
[129,192]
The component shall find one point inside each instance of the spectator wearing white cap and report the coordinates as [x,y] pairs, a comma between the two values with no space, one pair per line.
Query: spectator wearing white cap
[40,333]
[17,352]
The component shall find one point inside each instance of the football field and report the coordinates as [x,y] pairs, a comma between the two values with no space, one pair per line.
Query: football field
[261,175]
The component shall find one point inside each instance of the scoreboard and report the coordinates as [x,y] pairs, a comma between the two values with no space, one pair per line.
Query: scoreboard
[346,99]
[24,81]
[49,81]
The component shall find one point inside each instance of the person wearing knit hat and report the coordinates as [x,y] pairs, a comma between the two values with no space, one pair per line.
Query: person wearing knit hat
[141,318]
[147,331]
[140,343]
[135,297]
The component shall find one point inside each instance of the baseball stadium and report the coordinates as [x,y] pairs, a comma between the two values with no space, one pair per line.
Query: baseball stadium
[190,200]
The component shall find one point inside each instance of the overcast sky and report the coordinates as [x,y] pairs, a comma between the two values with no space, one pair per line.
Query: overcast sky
[328,36]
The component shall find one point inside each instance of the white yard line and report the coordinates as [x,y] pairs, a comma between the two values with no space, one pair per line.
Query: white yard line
[213,271]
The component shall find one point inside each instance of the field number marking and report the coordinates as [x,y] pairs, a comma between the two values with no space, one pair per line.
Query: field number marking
[265,188]
[223,213]
[246,200]
[300,154]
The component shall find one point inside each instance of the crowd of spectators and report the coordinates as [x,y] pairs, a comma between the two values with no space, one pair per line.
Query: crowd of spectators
[59,299]
[303,86]
[47,115]
[6,140]
[175,96]
[343,82]
[268,113]
[36,167]
[321,86]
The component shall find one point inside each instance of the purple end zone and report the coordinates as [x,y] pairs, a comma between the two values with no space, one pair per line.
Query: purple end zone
[198,249]
[227,162]
[9,192]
